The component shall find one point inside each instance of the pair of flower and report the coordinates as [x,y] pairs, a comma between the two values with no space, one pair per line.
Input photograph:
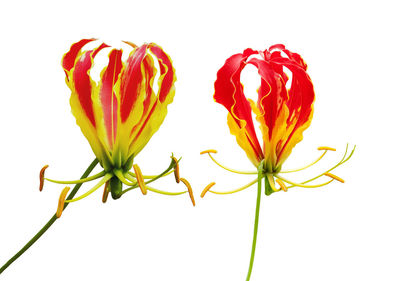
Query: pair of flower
[119,114]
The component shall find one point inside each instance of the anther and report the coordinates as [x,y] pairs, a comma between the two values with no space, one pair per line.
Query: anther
[106,192]
[334,177]
[208,151]
[326,148]
[61,201]
[41,176]
[206,189]
[176,169]
[282,185]
[190,190]
[139,178]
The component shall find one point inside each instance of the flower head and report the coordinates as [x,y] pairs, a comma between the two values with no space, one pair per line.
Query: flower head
[119,113]
[283,108]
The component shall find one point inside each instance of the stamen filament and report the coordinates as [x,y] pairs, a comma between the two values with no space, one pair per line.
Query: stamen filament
[303,185]
[122,178]
[231,170]
[235,190]
[149,176]
[165,192]
[305,167]
[94,177]
[93,189]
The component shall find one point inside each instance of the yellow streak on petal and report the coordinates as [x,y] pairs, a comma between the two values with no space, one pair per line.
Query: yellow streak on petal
[207,188]
[334,177]
[326,148]
[208,151]
[41,176]
[139,177]
[190,190]
[61,201]
[176,169]
[282,185]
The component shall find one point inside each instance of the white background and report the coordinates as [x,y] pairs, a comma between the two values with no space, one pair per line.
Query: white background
[338,232]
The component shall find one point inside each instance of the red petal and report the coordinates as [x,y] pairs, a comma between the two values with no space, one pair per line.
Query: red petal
[68,60]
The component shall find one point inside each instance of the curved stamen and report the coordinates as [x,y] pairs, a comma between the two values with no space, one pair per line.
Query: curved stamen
[226,168]
[335,177]
[207,188]
[140,180]
[302,185]
[106,192]
[149,176]
[190,190]
[176,169]
[305,167]
[93,189]
[41,177]
[342,161]
[122,178]
[282,185]
[94,177]
[61,201]
[232,191]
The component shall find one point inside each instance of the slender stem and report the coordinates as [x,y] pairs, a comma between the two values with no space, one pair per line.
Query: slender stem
[253,248]
[51,221]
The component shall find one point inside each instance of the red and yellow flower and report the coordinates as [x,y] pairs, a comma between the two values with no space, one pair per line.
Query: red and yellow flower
[284,109]
[119,114]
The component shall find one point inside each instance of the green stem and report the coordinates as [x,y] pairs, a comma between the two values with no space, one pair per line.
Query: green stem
[51,221]
[253,248]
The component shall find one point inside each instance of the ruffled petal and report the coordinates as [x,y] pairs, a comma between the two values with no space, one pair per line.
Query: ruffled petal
[229,93]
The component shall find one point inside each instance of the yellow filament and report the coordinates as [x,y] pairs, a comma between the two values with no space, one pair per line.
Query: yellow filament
[282,185]
[335,177]
[208,151]
[235,190]
[305,167]
[61,201]
[190,190]
[326,148]
[106,178]
[41,176]
[231,170]
[207,188]
[176,169]
[139,178]
[152,189]
[302,185]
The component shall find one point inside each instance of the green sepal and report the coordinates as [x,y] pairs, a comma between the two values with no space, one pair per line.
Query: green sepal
[115,187]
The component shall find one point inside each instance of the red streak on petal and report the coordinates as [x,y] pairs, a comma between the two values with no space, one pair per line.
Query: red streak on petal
[168,80]
[107,95]
[131,81]
[69,58]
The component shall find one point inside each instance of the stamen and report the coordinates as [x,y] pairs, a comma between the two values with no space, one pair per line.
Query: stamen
[106,192]
[122,178]
[105,179]
[326,148]
[41,176]
[305,167]
[150,176]
[94,177]
[231,170]
[176,169]
[282,185]
[235,190]
[208,151]
[302,185]
[61,201]
[190,190]
[207,188]
[334,177]
[139,178]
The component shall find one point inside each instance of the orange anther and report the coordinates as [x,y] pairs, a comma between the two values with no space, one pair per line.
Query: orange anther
[335,177]
[206,189]
[139,177]
[61,201]
[326,148]
[208,151]
[106,191]
[41,176]
[176,169]
[282,185]
[190,190]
